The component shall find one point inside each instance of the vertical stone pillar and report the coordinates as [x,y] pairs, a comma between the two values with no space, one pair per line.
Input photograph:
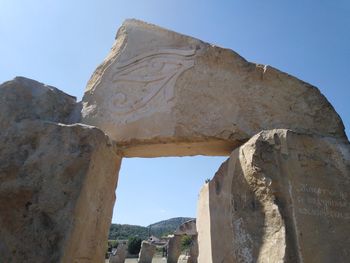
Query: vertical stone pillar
[174,248]
[119,255]
[193,256]
[147,252]
[281,197]
[57,180]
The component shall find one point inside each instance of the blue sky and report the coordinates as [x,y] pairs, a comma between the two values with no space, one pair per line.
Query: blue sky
[61,42]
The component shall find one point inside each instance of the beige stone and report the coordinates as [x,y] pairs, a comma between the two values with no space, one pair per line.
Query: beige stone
[281,197]
[174,249]
[160,93]
[194,250]
[57,180]
[203,226]
[23,98]
[119,254]
[56,192]
[147,252]
[187,228]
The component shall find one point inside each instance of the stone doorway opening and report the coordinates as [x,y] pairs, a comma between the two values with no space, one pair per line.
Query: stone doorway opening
[151,190]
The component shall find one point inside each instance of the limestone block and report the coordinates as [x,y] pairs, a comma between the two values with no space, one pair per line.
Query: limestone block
[281,197]
[160,93]
[147,252]
[119,255]
[174,249]
[203,226]
[56,191]
[187,228]
[23,98]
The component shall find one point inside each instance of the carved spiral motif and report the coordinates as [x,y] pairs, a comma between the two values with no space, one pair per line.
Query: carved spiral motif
[141,79]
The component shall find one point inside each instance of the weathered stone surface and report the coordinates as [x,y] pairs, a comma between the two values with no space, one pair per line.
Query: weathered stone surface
[147,252]
[23,98]
[194,251]
[188,228]
[160,93]
[174,249]
[204,219]
[281,197]
[56,192]
[119,255]
[57,181]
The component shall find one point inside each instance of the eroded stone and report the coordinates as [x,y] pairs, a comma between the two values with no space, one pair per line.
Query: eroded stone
[57,181]
[119,255]
[187,228]
[147,252]
[174,249]
[160,93]
[281,197]
[23,98]
[56,192]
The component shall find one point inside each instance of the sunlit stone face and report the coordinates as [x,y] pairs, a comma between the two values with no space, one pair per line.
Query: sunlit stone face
[145,83]
[160,93]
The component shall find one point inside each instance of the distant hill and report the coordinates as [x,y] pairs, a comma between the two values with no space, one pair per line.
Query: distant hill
[124,231]
[121,232]
[166,227]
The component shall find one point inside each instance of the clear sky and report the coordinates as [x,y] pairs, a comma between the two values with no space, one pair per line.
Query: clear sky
[61,42]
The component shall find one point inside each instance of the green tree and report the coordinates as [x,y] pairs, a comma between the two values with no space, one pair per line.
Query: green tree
[186,242]
[134,245]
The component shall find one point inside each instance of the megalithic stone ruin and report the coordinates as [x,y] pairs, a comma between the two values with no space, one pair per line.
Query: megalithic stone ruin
[57,178]
[161,93]
[147,252]
[282,196]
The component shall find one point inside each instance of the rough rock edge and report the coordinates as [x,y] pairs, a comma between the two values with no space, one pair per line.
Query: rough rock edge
[263,70]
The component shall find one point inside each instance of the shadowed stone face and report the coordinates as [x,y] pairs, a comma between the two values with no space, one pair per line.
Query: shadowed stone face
[57,181]
[187,228]
[119,255]
[174,249]
[147,252]
[159,93]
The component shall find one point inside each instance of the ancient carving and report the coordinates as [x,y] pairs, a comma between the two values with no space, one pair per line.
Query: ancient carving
[282,196]
[163,87]
[321,202]
[139,80]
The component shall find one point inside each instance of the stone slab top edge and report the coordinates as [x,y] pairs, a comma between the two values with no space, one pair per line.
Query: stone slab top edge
[129,23]
[133,26]
[28,82]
